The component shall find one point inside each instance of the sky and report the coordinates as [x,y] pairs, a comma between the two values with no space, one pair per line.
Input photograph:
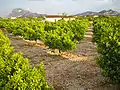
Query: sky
[58,6]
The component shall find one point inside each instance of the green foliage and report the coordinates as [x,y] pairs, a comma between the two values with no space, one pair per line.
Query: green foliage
[62,42]
[79,27]
[16,72]
[62,35]
[90,17]
[107,36]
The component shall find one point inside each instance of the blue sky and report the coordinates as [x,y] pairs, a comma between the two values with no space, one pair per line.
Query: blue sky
[58,6]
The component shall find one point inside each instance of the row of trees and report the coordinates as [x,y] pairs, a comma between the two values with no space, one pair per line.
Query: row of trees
[16,72]
[62,35]
[107,36]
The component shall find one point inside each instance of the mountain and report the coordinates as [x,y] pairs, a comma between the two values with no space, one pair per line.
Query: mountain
[103,12]
[109,12]
[19,12]
[86,13]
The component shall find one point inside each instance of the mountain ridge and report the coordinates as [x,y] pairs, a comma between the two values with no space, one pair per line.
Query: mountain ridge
[109,12]
[19,12]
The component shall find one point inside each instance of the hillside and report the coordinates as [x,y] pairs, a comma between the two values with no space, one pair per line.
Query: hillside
[18,12]
[103,12]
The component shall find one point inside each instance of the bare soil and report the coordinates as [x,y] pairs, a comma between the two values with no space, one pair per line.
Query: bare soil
[76,71]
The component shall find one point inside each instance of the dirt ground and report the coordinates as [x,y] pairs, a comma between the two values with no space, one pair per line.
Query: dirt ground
[62,73]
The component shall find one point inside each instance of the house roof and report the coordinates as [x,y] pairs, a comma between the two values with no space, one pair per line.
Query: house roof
[58,16]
